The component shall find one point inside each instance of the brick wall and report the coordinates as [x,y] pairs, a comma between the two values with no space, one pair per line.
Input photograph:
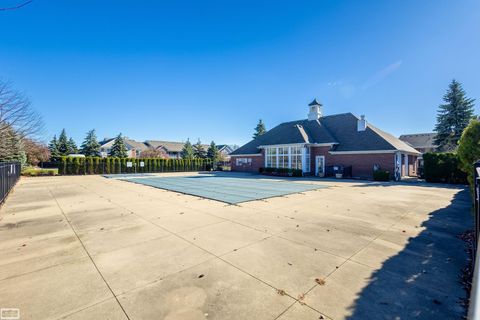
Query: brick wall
[253,166]
[362,164]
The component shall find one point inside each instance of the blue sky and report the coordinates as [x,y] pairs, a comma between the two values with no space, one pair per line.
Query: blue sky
[210,69]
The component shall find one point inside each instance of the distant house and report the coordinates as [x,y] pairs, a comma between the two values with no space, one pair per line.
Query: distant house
[225,150]
[320,141]
[423,142]
[134,148]
[172,149]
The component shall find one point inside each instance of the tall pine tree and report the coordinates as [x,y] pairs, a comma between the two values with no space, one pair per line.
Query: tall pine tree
[199,151]
[72,146]
[118,150]
[259,129]
[453,117]
[90,146]
[212,152]
[11,145]
[187,151]
[53,147]
[62,145]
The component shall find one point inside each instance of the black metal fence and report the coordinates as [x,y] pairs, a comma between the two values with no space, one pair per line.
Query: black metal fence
[477,201]
[9,174]
[474,308]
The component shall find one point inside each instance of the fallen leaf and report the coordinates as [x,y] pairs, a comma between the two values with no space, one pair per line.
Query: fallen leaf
[320,281]
[281,292]
[301,296]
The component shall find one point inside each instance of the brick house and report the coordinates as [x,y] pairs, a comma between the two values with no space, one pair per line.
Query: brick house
[423,142]
[325,142]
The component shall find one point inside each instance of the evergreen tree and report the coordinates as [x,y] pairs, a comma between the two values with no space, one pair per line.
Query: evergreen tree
[187,151]
[259,129]
[72,146]
[11,146]
[62,144]
[469,149]
[212,152]
[53,147]
[118,150]
[199,151]
[453,117]
[90,146]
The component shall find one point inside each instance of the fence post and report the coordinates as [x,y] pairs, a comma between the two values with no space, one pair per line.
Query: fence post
[9,175]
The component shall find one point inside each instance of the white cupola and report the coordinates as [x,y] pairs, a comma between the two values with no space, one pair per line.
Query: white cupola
[315,110]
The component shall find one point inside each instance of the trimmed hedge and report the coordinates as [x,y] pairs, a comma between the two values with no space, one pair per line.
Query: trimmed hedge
[381,175]
[443,167]
[97,165]
[36,172]
[281,172]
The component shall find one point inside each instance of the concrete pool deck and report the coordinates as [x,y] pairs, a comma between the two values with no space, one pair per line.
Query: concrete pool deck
[87,247]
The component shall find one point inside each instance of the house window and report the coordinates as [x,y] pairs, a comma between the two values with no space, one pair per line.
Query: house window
[283,157]
[296,156]
[271,157]
[307,159]
[287,157]
[243,161]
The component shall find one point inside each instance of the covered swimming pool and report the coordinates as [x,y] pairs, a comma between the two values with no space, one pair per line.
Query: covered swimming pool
[232,190]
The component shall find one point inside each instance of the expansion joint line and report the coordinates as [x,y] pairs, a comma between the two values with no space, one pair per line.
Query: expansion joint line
[88,253]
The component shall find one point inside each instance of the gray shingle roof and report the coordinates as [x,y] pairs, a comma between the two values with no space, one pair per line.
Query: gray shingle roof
[340,130]
[420,140]
[130,144]
[170,146]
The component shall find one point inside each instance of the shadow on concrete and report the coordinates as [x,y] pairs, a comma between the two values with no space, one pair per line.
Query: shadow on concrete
[423,280]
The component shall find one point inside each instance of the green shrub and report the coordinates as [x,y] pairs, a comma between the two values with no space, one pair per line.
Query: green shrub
[109,165]
[381,175]
[281,171]
[469,149]
[443,167]
[36,172]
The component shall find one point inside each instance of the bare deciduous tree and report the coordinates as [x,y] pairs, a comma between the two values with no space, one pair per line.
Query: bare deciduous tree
[17,113]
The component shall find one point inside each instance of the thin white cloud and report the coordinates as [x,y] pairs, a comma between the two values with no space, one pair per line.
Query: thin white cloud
[382,74]
[345,87]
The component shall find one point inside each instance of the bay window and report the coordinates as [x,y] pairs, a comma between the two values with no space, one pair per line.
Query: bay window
[288,157]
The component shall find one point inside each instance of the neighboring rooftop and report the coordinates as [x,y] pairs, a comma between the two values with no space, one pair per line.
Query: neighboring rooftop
[420,140]
[170,146]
